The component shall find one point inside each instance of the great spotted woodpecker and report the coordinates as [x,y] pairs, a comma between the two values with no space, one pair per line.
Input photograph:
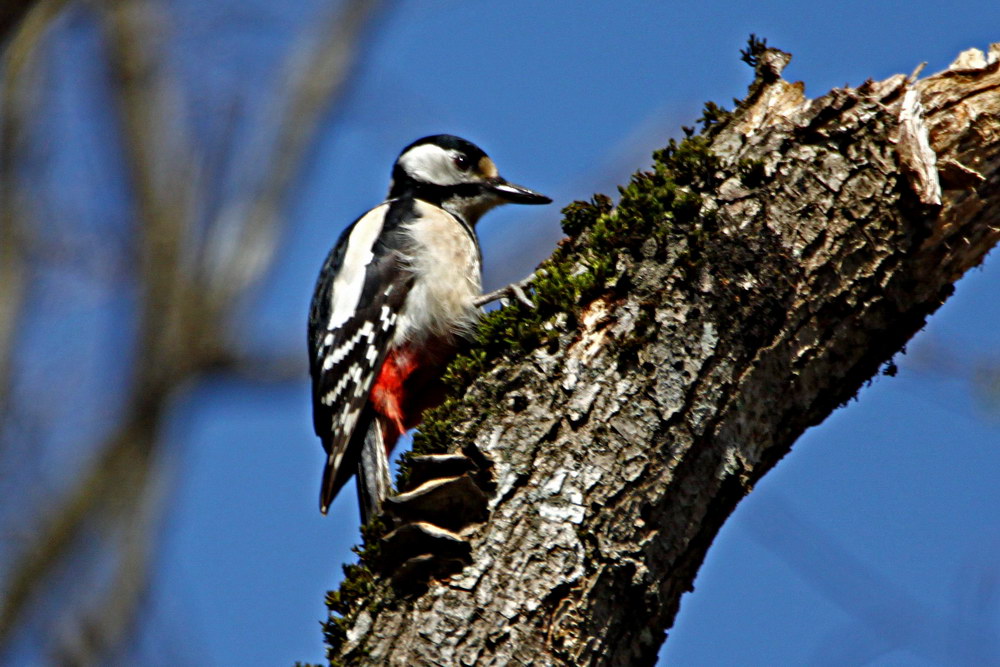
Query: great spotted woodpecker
[392,300]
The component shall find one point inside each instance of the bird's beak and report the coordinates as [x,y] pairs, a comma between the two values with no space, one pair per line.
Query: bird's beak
[516,194]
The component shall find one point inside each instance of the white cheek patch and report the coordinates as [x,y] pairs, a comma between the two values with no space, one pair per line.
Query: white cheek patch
[432,164]
[350,280]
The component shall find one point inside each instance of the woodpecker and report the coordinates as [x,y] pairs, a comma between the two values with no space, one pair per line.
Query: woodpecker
[395,296]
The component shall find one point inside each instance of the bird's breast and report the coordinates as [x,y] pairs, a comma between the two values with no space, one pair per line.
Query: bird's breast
[444,260]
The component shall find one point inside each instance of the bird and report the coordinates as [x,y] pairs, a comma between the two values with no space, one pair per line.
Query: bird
[395,297]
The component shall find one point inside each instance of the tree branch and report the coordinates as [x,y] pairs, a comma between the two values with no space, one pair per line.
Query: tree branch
[682,341]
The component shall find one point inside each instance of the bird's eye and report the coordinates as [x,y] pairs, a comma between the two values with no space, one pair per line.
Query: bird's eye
[461,161]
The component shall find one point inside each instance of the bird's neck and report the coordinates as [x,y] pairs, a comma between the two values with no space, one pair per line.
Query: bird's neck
[466,201]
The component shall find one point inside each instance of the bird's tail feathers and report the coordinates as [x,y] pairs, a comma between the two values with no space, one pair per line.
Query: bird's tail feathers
[336,475]
[366,455]
[329,488]
[374,481]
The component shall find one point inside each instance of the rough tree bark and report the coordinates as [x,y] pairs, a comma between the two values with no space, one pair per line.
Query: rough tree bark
[736,295]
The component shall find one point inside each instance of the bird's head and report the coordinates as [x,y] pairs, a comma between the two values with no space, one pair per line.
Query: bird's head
[456,175]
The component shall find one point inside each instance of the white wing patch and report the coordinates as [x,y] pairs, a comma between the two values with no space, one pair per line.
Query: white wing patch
[351,279]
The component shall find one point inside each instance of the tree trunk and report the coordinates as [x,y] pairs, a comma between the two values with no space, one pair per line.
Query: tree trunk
[737,294]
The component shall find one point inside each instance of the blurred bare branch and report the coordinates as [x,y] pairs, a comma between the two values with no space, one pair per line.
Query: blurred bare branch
[106,623]
[317,73]
[190,286]
[13,272]
[158,162]
[11,14]
[115,476]
[978,371]
[17,101]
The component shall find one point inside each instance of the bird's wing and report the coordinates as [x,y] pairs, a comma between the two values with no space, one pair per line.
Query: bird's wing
[352,320]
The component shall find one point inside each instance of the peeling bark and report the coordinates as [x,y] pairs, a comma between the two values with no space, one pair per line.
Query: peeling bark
[840,224]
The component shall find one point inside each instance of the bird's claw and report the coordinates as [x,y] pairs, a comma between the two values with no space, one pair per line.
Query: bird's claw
[515,290]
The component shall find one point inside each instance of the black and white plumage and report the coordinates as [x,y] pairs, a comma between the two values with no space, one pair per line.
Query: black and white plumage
[393,297]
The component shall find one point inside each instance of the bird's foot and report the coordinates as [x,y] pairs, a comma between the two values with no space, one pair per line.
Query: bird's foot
[514,290]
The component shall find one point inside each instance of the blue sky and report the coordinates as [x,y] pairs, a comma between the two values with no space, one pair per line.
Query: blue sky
[873,542]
